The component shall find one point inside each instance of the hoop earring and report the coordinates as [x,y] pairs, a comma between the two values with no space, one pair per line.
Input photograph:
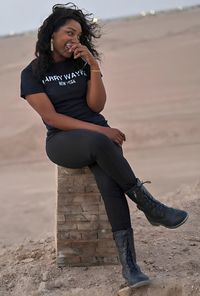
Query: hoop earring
[52,45]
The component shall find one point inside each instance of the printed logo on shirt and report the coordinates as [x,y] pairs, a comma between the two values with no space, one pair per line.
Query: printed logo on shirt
[64,79]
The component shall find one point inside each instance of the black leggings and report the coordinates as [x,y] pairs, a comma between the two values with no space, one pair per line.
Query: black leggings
[81,147]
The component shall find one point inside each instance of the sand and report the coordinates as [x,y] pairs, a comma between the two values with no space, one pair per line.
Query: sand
[151,71]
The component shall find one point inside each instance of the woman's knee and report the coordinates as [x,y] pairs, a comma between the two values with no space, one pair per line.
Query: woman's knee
[101,141]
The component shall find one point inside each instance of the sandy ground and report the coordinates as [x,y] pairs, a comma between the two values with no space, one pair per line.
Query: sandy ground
[151,71]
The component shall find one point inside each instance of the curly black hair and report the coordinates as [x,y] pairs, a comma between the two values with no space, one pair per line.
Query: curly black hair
[61,13]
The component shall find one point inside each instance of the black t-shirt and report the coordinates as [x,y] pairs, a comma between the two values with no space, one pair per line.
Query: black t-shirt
[65,85]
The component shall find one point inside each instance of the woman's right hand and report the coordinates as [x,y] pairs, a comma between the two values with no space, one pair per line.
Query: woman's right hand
[114,134]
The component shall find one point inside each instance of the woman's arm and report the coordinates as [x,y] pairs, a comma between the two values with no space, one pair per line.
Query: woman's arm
[43,106]
[96,94]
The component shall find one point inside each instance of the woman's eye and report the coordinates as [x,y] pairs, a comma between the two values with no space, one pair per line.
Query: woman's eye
[70,33]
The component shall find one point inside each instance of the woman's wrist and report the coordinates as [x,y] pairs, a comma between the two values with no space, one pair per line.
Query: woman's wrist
[100,128]
[94,66]
[95,70]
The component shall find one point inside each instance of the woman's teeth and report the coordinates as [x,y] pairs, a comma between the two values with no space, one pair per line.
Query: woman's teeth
[68,45]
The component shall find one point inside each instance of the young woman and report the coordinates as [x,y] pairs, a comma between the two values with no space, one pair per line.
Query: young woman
[64,85]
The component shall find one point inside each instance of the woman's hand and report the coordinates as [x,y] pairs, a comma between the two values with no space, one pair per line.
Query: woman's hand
[82,51]
[114,134]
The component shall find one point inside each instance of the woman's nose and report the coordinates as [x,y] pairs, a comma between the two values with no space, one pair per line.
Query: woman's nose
[75,39]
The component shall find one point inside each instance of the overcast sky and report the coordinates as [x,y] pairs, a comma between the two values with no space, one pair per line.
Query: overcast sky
[22,15]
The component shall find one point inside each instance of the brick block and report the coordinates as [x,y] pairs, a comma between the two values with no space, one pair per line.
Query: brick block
[106,243]
[91,188]
[87,226]
[104,234]
[66,227]
[76,217]
[91,208]
[104,225]
[70,209]
[72,261]
[89,235]
[84,235]
[69,235]
[60,218]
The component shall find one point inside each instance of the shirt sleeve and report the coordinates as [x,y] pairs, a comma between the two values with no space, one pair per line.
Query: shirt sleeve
[29,84]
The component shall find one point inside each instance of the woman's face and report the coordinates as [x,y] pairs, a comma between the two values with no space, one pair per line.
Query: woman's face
[66,35]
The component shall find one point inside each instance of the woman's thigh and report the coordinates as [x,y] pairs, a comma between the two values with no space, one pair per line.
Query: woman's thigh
[74,148]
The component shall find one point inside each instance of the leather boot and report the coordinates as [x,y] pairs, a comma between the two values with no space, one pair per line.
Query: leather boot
[156,212]
[130,270]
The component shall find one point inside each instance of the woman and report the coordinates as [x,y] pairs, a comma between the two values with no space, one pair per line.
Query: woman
[64,85]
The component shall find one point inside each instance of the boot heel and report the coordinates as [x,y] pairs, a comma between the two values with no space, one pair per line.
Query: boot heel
[152,222]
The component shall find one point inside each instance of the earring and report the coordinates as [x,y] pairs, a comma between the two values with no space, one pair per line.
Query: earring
[51,44]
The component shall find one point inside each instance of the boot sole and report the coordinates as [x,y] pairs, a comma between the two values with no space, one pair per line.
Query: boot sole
[126,286]
[140,284]
[170,227]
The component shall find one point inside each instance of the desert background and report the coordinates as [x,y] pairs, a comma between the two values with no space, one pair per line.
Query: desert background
[151,71]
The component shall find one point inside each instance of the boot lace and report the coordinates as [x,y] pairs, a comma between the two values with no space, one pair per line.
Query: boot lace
[131,263]
[153,203]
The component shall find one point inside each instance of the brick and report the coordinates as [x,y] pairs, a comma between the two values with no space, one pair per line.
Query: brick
[62,182]
[64,199]
[103,251]
[87,198]
[93,208]
[91,217]
[70,189]
[89,235]
[63,235]
[102,209]
[104,225]
[70,209]
[79,198]
[111,260]
[76,218]
[106,243]
[69,235]
[61,218]
[66,172]
[107,260]
[60,223]
[87,226]
[66,227]
[91,188]
[73,172]
[103,217]
[75,235]
[89,260]
[69,251]
[83,217]
[103,234]
[71,185]
[70,260]
[84,248]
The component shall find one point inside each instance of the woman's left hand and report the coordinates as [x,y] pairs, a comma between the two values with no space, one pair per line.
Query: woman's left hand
[80,50]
